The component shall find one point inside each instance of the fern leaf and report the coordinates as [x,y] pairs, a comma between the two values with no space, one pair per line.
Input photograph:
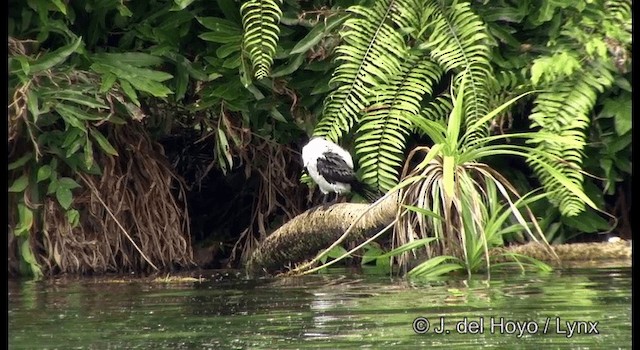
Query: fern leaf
[370,54]
[565,111]
[438,109]
[459,42]
[260,20]
[382,134]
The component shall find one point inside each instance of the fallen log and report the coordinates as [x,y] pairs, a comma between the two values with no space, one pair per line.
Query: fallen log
[318,228]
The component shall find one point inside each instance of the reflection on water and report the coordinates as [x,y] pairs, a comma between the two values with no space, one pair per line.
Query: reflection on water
[564,309]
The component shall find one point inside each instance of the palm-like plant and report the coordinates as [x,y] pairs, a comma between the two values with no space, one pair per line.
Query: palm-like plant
[458,192]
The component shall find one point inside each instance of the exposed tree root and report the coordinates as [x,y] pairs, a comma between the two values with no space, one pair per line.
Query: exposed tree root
[129,220]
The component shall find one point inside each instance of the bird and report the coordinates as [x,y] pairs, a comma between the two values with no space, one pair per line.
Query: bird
[331,167]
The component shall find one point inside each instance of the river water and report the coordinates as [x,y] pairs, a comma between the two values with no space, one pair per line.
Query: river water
[341,309]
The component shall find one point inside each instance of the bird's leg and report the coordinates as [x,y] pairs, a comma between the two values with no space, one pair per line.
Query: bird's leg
[325,198]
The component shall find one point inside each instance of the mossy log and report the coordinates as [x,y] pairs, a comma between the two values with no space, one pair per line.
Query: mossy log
[316,229]
[575,254]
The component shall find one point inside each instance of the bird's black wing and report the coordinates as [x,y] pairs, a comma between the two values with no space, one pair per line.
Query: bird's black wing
[334,169]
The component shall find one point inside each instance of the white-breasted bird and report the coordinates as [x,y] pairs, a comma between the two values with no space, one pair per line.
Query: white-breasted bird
[330,166]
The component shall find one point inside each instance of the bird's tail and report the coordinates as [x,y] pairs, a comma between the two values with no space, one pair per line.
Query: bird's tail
[366,191]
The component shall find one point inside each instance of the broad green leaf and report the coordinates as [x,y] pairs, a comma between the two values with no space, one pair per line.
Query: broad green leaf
[60,5]
[54,58]
[73,217]
[25,219]
[622,120]
[220,25]
[70,118]
[108,79]
[230,9]
[32,105]
[317,33]
[77,113]
[71,136]
[64,196]
[587,222]
[372,252]
[53,185]
[336,252]
[197,72]
[103,142]
[227,49]
[44,172]
[155,88]
[21,161]
[124,10]
[81,100]
[181,81]
[290,67]
[27,255]
[275,113]
[130,72]
[181,4]
[222,38]
[75,147]
[88,154]
[136,59]
[129,91]
[19,184]
[232,62]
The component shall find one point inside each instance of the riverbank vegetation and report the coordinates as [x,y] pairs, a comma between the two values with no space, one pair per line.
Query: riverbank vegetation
[163,135]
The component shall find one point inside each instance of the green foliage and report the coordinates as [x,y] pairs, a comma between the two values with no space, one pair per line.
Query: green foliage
[458,198]
[370,53]
[458,41]
[393,55]
[565,112]
[384,129]
[74,78]
[79,69]
[260,21]
[575,51]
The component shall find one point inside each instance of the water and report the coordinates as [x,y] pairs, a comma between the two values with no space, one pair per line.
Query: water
[337,310]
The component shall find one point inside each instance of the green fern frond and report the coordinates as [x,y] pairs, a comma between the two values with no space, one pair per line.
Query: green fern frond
[382,133]
[370,54]
[619,11]
[564,111]
[458,41]
[260,20]
[438,109]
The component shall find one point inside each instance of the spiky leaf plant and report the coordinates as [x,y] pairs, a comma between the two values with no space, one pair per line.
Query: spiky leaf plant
[457,187]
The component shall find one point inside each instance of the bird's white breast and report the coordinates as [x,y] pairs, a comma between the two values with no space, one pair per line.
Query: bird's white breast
[314,150]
